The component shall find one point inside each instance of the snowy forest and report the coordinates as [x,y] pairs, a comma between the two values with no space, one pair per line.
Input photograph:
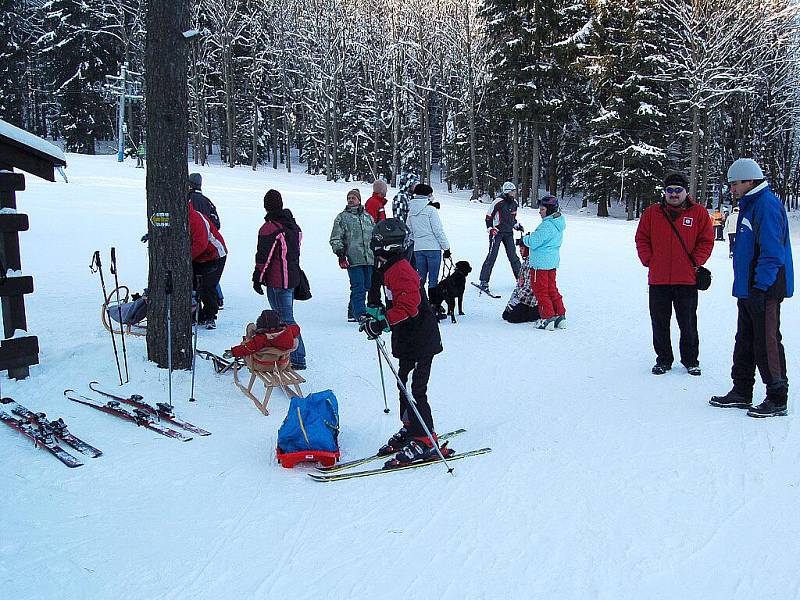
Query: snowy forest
[597,98]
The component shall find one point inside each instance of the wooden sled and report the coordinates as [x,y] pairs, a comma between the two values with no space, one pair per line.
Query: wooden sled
[285,378]
[114,326]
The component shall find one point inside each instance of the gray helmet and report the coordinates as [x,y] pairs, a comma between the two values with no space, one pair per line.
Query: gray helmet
[389,237]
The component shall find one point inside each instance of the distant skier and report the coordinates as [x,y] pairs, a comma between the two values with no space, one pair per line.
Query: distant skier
[400,201]
[730,227]
[140,153]
[415,339]
[544,245]
[501,221]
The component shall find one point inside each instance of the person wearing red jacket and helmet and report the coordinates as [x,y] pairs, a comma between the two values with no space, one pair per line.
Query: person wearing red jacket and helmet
[209,253]
[415,339]
[671,276]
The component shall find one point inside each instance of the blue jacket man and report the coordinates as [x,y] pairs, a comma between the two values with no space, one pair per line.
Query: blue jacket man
[762,277]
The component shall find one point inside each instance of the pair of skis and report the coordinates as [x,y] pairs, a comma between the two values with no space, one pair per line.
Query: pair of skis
[140,412]
[335,472]
[45,434]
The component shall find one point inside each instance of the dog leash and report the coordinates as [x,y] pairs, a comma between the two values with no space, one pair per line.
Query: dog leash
[447,263]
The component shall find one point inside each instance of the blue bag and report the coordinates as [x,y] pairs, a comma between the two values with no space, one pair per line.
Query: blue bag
[312,423]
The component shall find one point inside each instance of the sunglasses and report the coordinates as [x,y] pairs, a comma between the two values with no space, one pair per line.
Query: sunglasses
[673,190]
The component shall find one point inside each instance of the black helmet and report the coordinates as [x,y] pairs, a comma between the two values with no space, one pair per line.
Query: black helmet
[389,237]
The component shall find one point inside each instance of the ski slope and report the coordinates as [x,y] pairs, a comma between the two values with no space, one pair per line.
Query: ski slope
[604,481]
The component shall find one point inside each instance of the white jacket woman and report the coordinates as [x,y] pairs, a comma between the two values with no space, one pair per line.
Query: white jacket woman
[428,235]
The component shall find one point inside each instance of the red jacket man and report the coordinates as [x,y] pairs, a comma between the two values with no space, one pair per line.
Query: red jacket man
[208,260]
[376,203]
[671,274]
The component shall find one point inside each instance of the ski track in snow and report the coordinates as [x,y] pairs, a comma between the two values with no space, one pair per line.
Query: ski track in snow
[604,481]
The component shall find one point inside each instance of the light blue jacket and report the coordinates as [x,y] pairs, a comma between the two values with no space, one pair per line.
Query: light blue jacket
[545,242]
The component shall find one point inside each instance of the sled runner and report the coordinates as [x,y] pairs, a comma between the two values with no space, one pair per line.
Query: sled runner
[128,315]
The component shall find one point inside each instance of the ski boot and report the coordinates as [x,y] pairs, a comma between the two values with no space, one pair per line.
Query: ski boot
[547,324]
[417,450]
[561,322]
[733,399]
[395,443]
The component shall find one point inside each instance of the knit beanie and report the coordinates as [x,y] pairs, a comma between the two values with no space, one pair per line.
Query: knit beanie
[195,181]
[268,320]
[273,201]
[355,192]
[379,187]
[423,189]
[677,179]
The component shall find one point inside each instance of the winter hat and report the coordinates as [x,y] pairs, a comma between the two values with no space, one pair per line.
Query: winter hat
[273,201]
[379,187]
[423,189]
[408,181]
[676,178]
[550,204]
[269,319]
[195,181]
[354,192]
[509,187]
[744,169]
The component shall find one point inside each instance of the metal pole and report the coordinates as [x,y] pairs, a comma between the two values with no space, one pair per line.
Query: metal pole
[383,383]
[412,402]
[194,346]
[119,308]
[168,290]
[121,118]
[622,182]
[96,266]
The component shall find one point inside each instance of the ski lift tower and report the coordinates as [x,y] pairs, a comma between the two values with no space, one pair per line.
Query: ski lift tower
[127,90]
[22,150]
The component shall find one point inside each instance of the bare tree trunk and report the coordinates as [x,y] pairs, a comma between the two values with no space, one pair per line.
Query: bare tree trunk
[704,176]
[395,130]
[274,112]
[167,123]
[552,162]
[695,152]
[288,122]
[515,152]
[328,176]
[230,107]
[534,163]
[254,161]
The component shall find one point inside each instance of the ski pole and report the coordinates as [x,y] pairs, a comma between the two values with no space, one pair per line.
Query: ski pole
[168,292]
[113,269]
[97,267]
[413,403]
[383,383]
[194,346]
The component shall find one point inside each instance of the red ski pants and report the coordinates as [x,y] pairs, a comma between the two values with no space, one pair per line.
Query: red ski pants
[543,284]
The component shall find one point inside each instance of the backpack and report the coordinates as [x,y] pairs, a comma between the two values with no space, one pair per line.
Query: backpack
[312,423]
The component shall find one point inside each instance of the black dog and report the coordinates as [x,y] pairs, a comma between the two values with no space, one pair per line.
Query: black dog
[450,289]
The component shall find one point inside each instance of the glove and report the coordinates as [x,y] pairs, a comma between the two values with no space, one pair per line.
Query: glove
[446,253]
[492,231]
[757,300]
[435,205]
[519,227]
[145,238]
[344,263]
[372,326]
[258,289]
[375,311]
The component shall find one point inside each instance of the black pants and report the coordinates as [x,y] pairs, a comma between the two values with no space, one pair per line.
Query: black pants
[419,390]
[507,239]
[684,299]
[206,276]
[718,232]
[758,344]
[731,242]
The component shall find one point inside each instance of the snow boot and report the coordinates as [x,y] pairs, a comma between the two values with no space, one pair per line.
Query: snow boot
[210,324]
[417,450]
[771,407]
[547,324]
[659,369]
[733,399]
[561,322]
[395,443]
[694,370]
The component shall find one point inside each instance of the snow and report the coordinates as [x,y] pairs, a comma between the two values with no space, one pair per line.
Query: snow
[28,139]
[604,481]
[7,210]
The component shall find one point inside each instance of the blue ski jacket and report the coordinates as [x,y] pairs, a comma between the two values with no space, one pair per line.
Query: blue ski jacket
[545,242]
[762,254]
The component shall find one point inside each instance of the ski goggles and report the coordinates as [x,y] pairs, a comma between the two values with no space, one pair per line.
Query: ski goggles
[673,190]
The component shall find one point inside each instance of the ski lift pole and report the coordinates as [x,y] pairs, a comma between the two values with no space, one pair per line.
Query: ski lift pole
[383,383]
[413,403]
[97,267]
[113,269]
[168,292]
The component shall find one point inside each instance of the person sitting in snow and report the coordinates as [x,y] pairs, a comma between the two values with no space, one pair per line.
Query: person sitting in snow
[544,245]
[522,306]
[415,339]
[268,342]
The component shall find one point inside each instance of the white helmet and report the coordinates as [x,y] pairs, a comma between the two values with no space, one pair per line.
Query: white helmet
[509,187]
[744,169]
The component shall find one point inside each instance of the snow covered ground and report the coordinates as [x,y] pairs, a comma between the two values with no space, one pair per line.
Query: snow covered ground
[604,481]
